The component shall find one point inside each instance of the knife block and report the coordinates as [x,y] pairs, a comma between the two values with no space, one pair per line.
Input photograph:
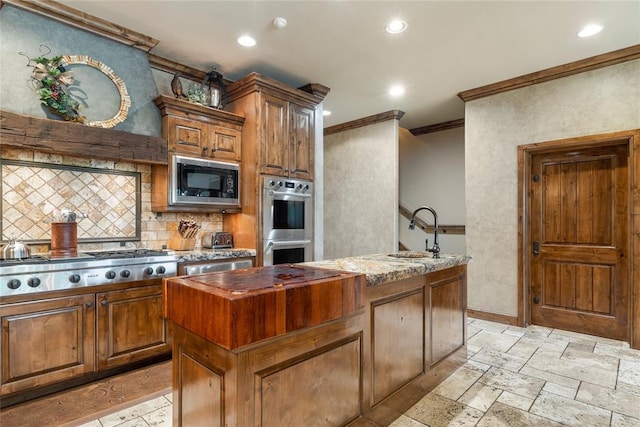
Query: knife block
[179,243]
[64,239]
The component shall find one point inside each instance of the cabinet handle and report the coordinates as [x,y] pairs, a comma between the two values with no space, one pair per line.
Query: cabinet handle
[204,149]
[104,302]
[89,304]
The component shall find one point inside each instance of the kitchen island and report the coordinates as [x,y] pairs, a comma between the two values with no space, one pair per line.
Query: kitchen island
[338,342]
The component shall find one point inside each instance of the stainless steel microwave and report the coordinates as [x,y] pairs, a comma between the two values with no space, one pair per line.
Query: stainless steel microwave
[203,182]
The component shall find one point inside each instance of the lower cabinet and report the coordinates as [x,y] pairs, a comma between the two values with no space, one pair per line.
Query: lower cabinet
[311,378]
[46,341]
[53,340]
[130,326]
[448,312]
[414,324]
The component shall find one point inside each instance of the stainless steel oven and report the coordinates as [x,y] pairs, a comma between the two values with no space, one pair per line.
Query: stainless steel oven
[287,221]
[287,251]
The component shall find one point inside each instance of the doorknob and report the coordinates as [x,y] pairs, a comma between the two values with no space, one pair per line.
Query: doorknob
[536,299]
[536,248]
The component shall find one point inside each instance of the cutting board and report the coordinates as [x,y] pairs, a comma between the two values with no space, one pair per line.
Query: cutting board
[240,307]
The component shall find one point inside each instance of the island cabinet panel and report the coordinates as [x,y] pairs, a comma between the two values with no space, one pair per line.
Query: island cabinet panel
[326,386]
[448,314]
[130,326]
[311,377]
[398,341]
[46,341]
[201,393]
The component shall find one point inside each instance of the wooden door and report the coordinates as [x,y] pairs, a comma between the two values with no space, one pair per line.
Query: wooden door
[130,326]
[578,233]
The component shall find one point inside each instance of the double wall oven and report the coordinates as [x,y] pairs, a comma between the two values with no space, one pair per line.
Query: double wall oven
[288,220]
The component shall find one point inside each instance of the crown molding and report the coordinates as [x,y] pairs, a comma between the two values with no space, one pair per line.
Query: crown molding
[365,121]
[84,21]
[599,61]
[437,127]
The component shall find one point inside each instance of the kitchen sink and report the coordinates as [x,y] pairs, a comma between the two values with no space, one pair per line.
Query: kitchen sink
[410,254]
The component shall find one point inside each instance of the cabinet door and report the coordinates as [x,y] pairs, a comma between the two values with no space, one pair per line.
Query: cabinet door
[397,325]
[275,144]
[46,341]
[448,305]
[130,326]
[187,136]
[225,143]
[301,135]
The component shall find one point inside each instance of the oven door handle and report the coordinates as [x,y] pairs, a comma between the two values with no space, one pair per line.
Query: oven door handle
[289,243]
[283,193]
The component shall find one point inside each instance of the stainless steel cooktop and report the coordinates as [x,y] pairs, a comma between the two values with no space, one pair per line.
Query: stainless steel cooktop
[41,272]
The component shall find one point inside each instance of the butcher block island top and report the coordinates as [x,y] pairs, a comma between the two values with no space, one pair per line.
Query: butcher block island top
[240,307]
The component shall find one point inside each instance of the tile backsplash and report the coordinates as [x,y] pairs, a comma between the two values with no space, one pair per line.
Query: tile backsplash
[110,199]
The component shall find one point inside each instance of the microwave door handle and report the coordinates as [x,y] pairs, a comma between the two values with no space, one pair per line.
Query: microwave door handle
[289,243]
[282,193]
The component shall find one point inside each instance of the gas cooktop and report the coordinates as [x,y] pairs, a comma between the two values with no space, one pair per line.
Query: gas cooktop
[42,272]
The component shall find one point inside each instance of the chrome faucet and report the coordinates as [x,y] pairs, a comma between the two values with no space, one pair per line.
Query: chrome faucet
[412,225]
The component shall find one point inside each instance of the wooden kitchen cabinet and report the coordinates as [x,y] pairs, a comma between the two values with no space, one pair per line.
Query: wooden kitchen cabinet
[288,145]
[447,290]
[278,139]
[130,326]
[46,341]
[75,336]
[199,131]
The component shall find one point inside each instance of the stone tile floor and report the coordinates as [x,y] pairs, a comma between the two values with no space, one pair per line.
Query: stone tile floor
[533,376]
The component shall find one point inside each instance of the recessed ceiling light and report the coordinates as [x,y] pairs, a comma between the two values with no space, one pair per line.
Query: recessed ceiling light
[590,30]
[326,112]
[247,41]
[279,22]
[396,26]
[396,90]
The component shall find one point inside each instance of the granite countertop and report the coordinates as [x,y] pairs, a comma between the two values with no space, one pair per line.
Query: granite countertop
[213,254]
[383,268]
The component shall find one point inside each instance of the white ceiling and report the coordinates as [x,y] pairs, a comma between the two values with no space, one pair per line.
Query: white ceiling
[449,46]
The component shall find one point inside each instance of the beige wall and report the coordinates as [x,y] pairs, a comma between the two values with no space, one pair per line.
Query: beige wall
[361,191]
[594,102]
[432,174]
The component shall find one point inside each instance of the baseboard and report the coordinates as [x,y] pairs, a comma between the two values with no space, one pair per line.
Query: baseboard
[493,317]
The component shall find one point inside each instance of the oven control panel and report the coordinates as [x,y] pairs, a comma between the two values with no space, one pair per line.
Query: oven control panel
[287,186]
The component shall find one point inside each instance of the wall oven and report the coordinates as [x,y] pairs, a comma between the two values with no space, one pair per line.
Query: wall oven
[287,221]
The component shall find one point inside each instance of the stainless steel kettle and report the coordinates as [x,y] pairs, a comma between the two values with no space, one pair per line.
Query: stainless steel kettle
[15,250]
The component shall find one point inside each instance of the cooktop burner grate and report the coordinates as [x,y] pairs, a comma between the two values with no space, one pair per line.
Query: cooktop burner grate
[33,259]
[132,253]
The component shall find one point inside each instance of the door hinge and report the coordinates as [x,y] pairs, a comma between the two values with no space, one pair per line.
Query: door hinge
[536,248]
[536,178]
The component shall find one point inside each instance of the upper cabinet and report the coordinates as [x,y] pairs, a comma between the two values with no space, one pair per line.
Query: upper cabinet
[280,127]
[199,131]
[288,143]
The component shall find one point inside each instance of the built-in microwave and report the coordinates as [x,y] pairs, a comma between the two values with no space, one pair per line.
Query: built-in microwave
[203,182]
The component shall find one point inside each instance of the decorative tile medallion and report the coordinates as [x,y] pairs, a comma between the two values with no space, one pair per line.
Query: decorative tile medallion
[33,193]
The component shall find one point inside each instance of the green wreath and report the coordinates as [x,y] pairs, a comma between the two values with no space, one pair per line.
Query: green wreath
[51,80]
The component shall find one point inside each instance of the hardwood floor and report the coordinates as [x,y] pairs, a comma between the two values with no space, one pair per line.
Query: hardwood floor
[78,405]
